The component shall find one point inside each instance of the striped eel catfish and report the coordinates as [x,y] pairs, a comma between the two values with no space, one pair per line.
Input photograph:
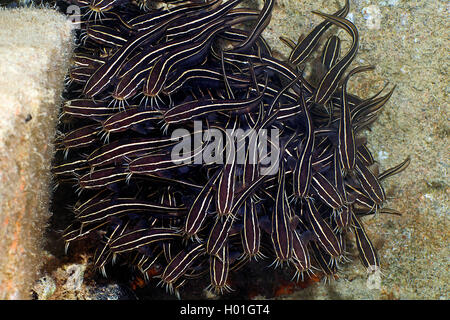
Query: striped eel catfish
[192,156]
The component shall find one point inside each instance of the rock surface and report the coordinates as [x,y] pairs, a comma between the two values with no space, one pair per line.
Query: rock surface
[407,41]
[35,46]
